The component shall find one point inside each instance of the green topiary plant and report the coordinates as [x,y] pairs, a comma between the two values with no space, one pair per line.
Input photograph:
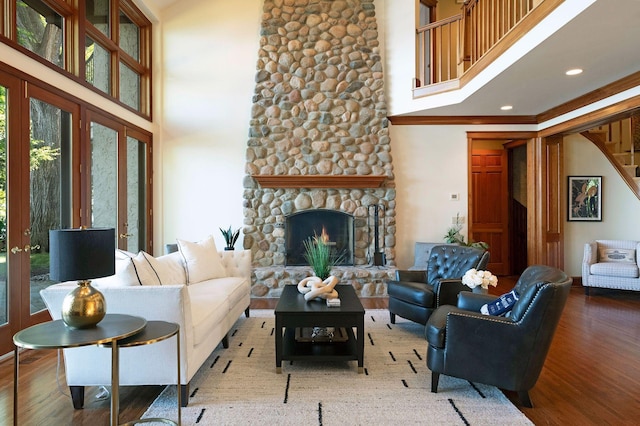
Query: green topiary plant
[230,237]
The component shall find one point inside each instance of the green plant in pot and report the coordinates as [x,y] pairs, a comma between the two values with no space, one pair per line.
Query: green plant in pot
[230,237]
[453,236]
[320,256]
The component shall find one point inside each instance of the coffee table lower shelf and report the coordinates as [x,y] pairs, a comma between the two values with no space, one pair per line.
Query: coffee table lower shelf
[293,349]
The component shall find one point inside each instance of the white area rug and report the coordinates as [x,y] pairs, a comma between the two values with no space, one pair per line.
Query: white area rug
[239,385]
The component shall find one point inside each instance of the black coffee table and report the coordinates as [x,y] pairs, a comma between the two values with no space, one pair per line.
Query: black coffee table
[293,313]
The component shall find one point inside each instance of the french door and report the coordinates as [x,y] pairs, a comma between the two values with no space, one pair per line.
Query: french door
[61,166]
[37,194]
[117,192]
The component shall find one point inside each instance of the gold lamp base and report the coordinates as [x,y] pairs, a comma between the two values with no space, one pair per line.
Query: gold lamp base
[84,307]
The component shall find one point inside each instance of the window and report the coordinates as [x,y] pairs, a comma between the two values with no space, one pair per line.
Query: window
[106,43]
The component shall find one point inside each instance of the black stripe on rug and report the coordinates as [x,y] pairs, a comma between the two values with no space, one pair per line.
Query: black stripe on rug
[477,390]
[320,413]
[215,360]
[195,391]
[417,354]
[392,357]
[453,404]
[412,367]
[371,339]
[200,415]
[250,352]
[227,366]
[286,390]
[263,324]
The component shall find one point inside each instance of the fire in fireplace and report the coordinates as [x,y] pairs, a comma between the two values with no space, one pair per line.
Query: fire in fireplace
[334,227]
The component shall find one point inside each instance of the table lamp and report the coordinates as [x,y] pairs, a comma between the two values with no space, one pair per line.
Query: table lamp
[82,254]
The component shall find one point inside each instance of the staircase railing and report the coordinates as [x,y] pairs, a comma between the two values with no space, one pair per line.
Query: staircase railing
[448,48]
[616,140]
[439,51]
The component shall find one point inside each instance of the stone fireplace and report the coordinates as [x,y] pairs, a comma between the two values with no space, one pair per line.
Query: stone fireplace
[318,140]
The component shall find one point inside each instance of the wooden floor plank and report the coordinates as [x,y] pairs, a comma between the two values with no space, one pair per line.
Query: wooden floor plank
[591,375]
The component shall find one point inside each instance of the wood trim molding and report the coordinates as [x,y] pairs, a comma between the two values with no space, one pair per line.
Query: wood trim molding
[319,181]
[461,119]
[594,118]
[604,92]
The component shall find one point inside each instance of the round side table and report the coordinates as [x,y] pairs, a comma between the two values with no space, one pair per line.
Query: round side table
[56,335]
[155,331]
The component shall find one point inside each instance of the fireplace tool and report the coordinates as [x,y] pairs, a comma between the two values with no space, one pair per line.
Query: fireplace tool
[378,257]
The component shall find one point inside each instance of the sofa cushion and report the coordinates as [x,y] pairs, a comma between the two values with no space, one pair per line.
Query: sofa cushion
[615,269]
[169,268]
[616,255]
[209,305]
[125,273]
[145,271]
[201,260]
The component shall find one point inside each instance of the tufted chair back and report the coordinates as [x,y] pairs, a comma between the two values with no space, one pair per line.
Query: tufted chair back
[450,261]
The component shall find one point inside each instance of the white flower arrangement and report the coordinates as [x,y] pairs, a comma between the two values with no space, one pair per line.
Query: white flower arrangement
[473,278]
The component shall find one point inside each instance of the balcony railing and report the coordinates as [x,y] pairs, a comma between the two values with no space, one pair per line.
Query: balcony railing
[449,48]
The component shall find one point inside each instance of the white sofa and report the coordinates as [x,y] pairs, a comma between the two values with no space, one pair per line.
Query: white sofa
[611,264]
[205,310]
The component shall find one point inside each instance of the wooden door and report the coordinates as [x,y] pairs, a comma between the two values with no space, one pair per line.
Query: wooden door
[546,217]
[489,210]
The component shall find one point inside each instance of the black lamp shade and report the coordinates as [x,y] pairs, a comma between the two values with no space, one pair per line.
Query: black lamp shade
[81,254]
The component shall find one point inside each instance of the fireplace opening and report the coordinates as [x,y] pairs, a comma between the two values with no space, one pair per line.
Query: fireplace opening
[337,228]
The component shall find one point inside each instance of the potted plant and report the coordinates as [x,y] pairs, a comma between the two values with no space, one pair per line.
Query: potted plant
[453,236]
[230,237]
[319,256]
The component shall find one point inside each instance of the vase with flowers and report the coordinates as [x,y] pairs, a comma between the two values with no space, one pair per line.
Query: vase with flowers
[479,281]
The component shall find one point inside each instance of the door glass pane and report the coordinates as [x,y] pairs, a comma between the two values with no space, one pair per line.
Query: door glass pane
[129,36]
[129,87]
[4,306]
[98,14]
[104,176]
[40,29]
[136,195]
[98,61]
[49,188]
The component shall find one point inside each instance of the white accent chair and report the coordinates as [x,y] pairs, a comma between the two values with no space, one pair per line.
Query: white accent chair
[611,264]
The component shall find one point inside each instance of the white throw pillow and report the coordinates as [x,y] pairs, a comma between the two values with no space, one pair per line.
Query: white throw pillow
[147,275]
[125,272]
[169,268]
[617,255]
[201,260]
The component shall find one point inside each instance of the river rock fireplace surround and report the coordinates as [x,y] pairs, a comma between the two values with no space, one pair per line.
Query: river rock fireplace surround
[319,141]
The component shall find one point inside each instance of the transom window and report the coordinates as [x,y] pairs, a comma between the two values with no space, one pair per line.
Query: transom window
[105,43]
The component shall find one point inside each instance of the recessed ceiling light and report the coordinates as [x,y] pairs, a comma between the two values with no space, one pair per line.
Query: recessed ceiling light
[506,107]
[574,71]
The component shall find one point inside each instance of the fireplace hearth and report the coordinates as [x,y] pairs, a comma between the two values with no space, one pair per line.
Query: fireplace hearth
[333,227]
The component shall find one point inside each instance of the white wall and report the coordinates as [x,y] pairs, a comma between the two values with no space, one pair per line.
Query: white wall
[203,113]
[209,63]
[620,207]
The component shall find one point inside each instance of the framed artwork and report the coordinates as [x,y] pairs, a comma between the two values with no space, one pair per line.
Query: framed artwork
[585,198]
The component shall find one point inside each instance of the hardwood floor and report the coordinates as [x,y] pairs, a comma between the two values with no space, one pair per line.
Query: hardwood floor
[591,375]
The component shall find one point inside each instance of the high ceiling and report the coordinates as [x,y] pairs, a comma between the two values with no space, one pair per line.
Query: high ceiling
[604,41]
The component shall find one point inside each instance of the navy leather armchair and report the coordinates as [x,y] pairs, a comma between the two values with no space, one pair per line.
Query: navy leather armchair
[415,294]
[504,351]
